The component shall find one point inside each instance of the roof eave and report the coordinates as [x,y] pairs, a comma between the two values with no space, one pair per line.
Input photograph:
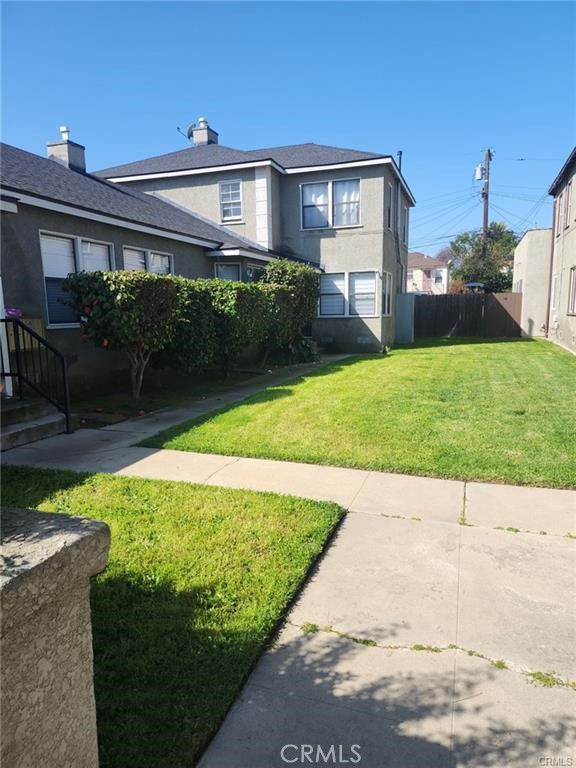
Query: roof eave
[563,173]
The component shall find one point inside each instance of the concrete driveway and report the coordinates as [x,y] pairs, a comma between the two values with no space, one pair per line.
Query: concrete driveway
[411,647]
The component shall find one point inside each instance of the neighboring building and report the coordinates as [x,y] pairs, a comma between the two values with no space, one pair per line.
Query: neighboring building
[57,219]
[427,275]
[532,279]
[343,210]
[562,296]
[545,267]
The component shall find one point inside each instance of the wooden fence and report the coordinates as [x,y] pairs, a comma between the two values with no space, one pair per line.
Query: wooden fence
[491,315]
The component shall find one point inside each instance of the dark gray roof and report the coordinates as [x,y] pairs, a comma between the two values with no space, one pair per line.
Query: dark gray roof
[25,173]
[211,155]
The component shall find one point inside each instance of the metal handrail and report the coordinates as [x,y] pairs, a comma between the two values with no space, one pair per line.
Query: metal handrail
[42,368]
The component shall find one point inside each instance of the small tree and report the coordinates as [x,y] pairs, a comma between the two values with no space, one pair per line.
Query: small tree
[489,263]
[135,312]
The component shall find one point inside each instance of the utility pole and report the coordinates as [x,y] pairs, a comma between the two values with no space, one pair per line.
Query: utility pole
[485,195]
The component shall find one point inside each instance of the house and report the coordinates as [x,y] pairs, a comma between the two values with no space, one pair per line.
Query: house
[545,267]
[427,275]
[562,296]
[531,278]
[344,210]
[57,219]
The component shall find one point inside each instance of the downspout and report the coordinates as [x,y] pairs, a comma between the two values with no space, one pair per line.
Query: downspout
[550,277]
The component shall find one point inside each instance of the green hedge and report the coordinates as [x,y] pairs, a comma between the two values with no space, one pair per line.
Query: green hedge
[190,324]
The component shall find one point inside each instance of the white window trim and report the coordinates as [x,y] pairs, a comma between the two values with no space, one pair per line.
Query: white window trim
[387,276]
[330,225]
[571,310]
[568,205]
[228,264]
[147,252]
[231,219]
[347,314]
[78,264]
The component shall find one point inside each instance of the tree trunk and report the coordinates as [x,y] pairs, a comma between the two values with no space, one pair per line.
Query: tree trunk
[138,362]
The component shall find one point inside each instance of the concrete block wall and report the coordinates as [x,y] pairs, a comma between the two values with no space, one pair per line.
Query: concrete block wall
[48,713]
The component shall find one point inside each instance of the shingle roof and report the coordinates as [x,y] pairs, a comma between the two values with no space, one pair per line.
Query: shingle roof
[23,172]
[212,155]
[421,261]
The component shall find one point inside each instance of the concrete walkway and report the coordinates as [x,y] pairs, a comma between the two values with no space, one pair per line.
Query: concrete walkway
[424,618]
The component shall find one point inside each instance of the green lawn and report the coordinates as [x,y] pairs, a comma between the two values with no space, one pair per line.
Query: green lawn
[478,410]
[197,579]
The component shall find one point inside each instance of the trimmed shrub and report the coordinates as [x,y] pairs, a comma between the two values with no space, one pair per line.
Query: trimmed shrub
[190,324]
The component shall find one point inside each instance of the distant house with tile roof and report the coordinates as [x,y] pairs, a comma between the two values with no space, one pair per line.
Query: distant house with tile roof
[427,275]
[344,210]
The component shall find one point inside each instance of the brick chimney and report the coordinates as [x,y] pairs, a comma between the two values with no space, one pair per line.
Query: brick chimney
[202,134]
[67,152]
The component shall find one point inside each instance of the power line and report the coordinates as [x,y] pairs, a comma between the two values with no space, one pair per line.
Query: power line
[429,218]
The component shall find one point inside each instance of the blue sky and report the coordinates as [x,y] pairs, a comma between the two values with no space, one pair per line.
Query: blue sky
[440,81]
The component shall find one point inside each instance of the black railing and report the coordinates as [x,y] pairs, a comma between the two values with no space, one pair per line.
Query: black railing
[35,364]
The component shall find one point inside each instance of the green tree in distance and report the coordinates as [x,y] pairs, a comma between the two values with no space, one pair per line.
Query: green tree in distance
[490,264]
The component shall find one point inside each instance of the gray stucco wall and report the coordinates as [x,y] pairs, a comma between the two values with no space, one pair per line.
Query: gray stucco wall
[201,193]
[532,279]
[48,710]
[23,280]
[563,324]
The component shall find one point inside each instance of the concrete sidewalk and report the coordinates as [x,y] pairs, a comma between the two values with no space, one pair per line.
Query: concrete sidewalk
[424,619]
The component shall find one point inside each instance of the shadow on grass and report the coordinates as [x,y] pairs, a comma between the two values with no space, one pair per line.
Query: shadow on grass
[163,681]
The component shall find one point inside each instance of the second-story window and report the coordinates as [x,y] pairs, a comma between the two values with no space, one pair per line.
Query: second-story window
[231,201]
[331,204]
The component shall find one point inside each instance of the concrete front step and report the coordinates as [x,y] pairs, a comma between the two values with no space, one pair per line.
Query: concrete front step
[29,431]
[16,411]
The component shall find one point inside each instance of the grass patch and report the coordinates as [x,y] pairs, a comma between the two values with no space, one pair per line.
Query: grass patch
[550,680]
[428,648]
[441,408]
[197,579]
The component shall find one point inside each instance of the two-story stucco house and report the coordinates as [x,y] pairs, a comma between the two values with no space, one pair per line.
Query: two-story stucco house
[344,210]
[427,275]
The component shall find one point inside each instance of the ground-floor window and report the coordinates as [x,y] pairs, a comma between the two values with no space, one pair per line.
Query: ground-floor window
[61,256]
[254,273]
[348,294]
[227,271]
[572,292]
[386,293]
[142,260]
